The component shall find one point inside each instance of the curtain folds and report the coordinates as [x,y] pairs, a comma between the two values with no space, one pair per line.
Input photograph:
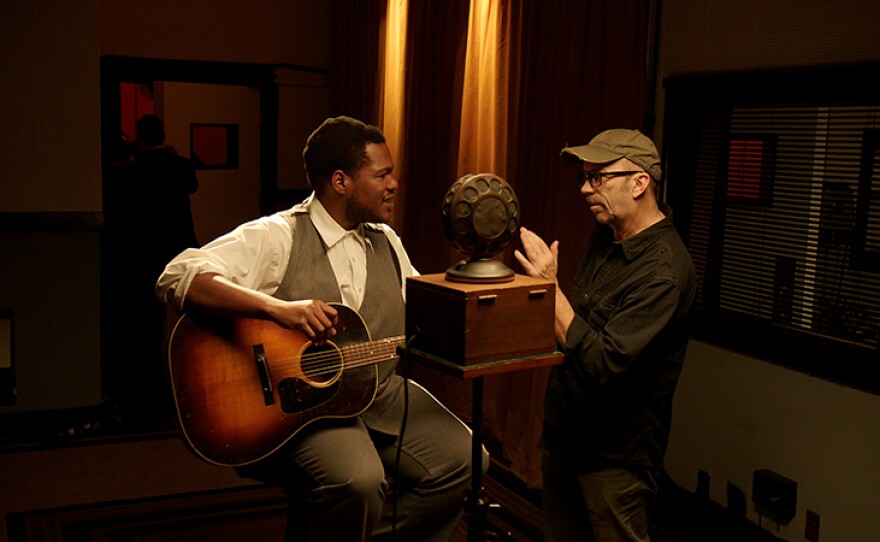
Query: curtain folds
[496,86]
[354,71]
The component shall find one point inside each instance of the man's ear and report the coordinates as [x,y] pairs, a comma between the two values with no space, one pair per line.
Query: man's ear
[339,182]
[640,184]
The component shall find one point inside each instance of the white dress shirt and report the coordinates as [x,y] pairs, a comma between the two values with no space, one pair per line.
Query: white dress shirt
[256,253]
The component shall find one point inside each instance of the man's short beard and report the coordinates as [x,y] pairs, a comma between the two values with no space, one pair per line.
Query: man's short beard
[358,214]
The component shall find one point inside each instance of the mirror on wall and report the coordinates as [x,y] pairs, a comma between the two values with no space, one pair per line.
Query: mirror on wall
[219,165]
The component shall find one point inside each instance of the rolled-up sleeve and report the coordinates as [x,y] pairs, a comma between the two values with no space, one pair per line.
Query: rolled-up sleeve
[254,255]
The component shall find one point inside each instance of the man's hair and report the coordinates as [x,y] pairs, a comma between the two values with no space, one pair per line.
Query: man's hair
[338,144]
[150,131]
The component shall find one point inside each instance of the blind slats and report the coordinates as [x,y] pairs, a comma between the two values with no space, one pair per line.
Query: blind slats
[785,224]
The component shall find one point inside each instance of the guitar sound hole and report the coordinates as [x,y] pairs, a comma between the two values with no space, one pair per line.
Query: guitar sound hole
[321,365]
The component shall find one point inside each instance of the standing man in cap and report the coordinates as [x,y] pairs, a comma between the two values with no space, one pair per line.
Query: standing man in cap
[287,268]
[624,329]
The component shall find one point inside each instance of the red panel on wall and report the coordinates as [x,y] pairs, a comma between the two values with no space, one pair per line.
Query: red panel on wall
[214,146]
[135,101]
[744,171]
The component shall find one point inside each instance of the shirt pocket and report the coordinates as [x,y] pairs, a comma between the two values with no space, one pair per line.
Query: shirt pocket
[601,310]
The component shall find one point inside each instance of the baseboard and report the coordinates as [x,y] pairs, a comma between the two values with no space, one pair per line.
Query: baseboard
[241,514]
[258,512]
[682,515]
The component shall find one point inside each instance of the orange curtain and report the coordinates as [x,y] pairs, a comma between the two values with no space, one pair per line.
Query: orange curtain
[392,93]
[495,86]
[483,143]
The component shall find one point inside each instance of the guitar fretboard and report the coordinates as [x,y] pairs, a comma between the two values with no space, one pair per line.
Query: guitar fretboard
[356,355]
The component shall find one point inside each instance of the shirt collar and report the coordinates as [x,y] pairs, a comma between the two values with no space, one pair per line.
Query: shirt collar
[633,246]
[330,230]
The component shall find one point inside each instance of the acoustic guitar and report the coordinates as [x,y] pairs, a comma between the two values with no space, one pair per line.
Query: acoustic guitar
[245,387]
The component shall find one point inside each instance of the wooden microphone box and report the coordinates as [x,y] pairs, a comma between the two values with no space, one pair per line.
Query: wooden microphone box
[471,323]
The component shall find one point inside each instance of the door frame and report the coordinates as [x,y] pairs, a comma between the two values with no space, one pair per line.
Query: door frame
[122,69]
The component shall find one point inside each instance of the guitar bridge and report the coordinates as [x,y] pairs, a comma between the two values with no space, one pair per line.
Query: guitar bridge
[263,372]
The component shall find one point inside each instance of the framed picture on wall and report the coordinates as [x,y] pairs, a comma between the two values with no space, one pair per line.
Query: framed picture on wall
[213,146]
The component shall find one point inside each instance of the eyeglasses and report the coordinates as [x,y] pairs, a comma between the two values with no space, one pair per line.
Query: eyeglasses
[596,178]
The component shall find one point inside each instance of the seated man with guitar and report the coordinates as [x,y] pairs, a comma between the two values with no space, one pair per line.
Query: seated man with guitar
[283,365]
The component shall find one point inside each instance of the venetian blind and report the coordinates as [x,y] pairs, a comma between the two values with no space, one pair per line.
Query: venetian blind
[785,223]
[774,179]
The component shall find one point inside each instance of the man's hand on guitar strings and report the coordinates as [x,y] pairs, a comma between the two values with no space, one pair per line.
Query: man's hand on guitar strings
[312,317]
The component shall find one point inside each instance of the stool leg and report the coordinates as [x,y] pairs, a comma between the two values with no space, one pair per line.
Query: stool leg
[296,527]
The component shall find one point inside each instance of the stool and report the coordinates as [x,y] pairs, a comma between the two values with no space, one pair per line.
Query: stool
[296,527]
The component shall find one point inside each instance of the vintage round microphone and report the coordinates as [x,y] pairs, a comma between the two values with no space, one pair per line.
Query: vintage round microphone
[480,218]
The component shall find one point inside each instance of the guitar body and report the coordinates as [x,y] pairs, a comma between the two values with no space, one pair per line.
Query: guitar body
[245,387]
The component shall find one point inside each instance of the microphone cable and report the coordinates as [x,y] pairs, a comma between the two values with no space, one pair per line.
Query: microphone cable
[396,470]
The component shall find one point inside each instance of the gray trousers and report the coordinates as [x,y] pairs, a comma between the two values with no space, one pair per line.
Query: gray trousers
[604,505]
[341,467]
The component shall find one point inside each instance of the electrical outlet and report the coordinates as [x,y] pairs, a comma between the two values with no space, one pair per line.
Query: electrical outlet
[811,531]
[775,494]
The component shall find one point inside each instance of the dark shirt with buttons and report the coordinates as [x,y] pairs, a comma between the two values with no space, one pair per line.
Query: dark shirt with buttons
[610,403]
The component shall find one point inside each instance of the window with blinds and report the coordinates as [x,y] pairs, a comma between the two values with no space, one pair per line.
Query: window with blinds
[779,193]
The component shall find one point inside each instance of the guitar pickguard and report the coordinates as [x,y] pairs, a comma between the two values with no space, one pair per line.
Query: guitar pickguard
[296,395]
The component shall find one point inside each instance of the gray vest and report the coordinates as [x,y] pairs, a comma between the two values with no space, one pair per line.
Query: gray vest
[309,276]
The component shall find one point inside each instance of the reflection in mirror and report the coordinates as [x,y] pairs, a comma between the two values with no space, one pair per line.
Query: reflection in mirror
[141,233]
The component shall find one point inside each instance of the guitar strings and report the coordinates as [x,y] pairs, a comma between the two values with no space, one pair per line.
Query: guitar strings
[384,347]
[328,362]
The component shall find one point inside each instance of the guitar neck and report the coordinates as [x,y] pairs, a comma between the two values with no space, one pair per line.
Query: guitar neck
[368,353]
